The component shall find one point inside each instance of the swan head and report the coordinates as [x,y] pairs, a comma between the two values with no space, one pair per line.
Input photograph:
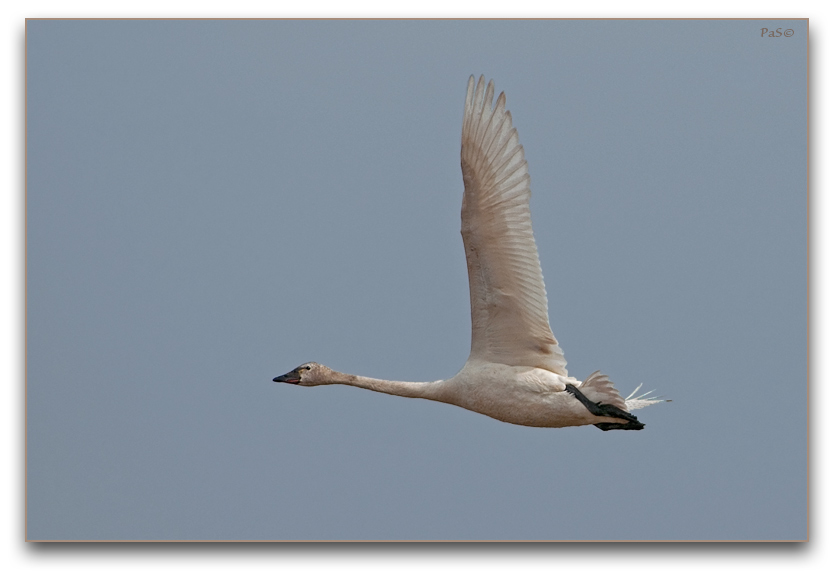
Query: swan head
[307,375]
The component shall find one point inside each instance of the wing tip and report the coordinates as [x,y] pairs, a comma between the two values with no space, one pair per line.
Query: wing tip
[480,93]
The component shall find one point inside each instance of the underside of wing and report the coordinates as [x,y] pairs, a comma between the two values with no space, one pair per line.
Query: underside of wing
[506,288]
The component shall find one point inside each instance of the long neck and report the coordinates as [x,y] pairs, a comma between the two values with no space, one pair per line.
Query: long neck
[432,390]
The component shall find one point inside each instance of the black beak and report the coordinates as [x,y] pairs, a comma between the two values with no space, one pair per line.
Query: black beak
[292,377]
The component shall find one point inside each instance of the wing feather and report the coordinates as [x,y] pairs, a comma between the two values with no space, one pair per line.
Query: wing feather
[506,287]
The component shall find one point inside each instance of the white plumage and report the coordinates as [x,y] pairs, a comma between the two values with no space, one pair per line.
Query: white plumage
[516,371]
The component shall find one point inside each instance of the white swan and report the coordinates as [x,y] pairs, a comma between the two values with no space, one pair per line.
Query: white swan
[516,370]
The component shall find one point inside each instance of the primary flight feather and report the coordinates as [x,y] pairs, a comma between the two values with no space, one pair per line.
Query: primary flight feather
[516,371]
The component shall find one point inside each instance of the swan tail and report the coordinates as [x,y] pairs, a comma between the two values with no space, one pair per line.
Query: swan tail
[635,401]
[599,396]
[599,389]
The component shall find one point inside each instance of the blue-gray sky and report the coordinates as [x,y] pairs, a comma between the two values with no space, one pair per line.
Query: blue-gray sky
[210,203]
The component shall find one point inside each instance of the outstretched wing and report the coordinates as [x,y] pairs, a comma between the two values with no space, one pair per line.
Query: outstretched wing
[506,288]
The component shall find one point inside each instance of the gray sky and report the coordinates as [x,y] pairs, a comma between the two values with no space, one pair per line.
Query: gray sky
[211,203]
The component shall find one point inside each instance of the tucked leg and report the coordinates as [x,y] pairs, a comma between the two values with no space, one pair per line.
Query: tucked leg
[606,410]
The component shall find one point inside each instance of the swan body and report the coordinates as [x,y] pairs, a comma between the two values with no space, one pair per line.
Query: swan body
[516,371]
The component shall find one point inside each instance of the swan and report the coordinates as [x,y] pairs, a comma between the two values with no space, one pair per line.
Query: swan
[516,371]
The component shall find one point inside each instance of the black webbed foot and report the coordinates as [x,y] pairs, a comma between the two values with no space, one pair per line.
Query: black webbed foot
[635,426]
[606,410]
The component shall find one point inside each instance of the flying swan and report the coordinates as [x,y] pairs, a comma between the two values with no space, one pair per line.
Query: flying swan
[516,371]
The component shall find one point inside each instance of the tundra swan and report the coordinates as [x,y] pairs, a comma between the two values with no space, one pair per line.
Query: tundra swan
[516,371]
